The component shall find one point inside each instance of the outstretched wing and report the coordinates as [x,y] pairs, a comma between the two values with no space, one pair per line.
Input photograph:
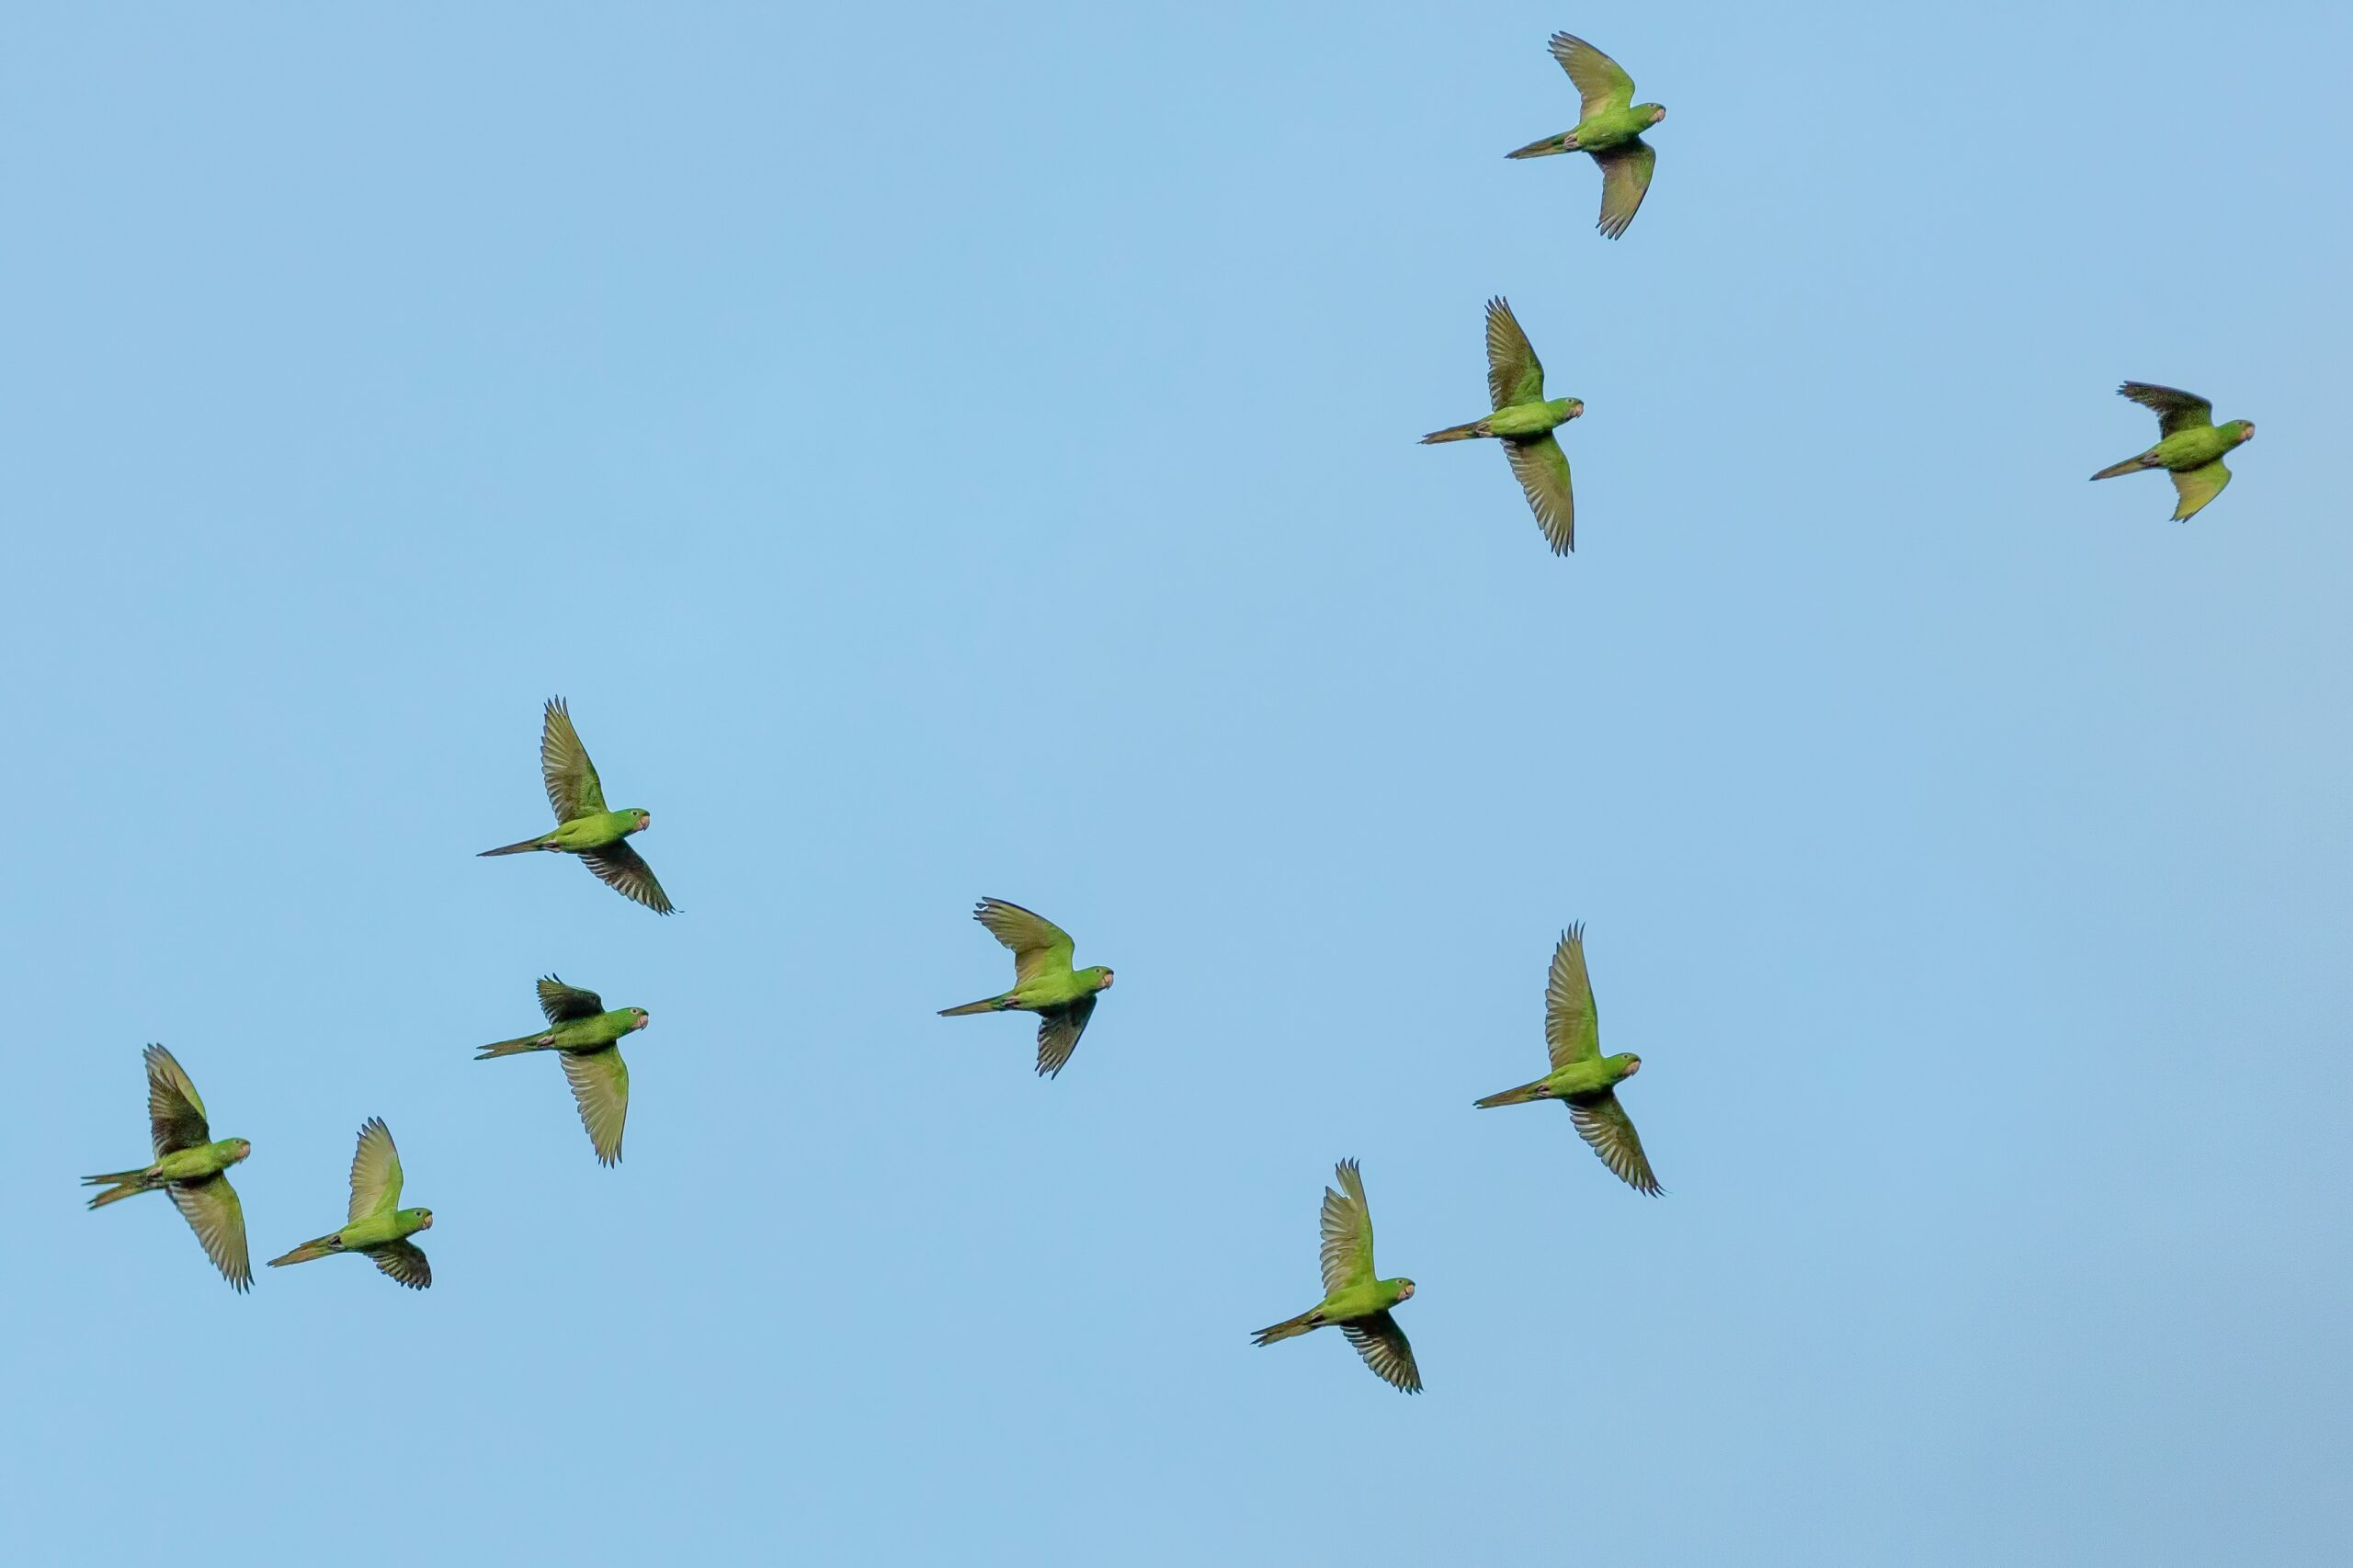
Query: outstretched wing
[1542,469]
[1625,181]
[561,1002]
[564,767]
[2197,487]
[375,1172]
[1058,1033]
[175,1111]
[1514,374]
[1383,1347]
[624,870]
[1039,946]
[1570,1032]
[2176,410]
[212,1211]
[404,1261]
[1602,82]
[1346,1257]
[1603,1123]
[600,1088]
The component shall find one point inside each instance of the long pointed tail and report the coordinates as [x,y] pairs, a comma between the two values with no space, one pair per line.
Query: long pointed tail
[125,1184]
[323,1247]
[2129,465]
[985,1005]
[513,1047]
[1290,1328]
[540,843]
[1521,1095]
[1566,141]
[1472,431]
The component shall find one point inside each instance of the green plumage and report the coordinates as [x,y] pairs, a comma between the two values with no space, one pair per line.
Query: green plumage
[376,1226]
[1044,981]
[189,1163]
[1609,127]
[1524,420]
[588,1034]
[584,826]
[1582,1078]
[1355,1299]
[2190,447]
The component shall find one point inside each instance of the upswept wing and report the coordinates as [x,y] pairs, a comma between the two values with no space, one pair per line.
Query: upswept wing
[1058,1033]
[1347,1255]
[571,777]
[2176,410]
[212,1211]
[1514,374]
[375,1172]
[624,870]
[2197,487]
[1602,82]
[1625,181]
[561,1002]
[1039,946]
[1384,1348]
[1542,469]
[600,1088]
[1571,1033]
[404,1261]
[175,1111]
[1603,1123]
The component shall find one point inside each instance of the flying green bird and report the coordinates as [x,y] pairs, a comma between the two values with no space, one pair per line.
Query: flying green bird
[378,1227]
[1609,127]
[584,827]
[190,1165]
[589,1039]
[1353,1295]
[1524,420]
[2190,446]
[1044,982]
[1582,1078]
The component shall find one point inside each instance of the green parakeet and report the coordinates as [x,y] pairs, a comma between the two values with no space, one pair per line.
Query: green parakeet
[378,1227]
[584,827]
[1044,982]
[189,1164]
[588,1036]
[1610,128]
[1582,1078]
[1524,420]
[2190,447]
[1354,1297]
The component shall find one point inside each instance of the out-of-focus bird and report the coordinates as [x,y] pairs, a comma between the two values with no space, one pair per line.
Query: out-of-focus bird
[379,1228]
[1354,1296]
[189,1164]
[583,827]
[1609,127]
[2190,447]
[1044,981]
[1524,420]
[580,1027]
[1582,1078]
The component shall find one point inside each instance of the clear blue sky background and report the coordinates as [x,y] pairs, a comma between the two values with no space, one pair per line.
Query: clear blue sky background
[954,452]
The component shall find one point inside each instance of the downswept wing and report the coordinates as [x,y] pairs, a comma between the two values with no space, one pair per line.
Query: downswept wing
[212,1211]
[404,1261]
[1542,469]
[375,1172]
[1603,1123]
[175,1111]
[2176,410]
[1058,1033]
[561,1002]
[572,787]
[1384,1348]
[2197,486]
[600,1088]
[624,870]
[1347,1255]
[1039,946]
[1601,83]
[1514,374]
[1625,181]
[1571,1032]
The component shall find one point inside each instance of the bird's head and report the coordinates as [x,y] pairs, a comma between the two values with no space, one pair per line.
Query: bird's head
[2242,429]
[239,1148]
[424,1218]
[643,820]
[1405,1290]
[1658,112]
[1102,978]
[639,1018]
[1571,408]
[1633,1064]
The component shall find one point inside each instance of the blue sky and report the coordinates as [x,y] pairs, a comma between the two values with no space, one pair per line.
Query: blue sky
[959,453]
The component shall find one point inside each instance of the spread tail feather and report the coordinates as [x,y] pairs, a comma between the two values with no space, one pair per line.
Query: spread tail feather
[513,1047]
[985,1005]
[125,1184]
[516,848]
[1521,1095]
[1566,141]
[1290,1328]
[2129,465]
[1471,431]
[322,1248]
